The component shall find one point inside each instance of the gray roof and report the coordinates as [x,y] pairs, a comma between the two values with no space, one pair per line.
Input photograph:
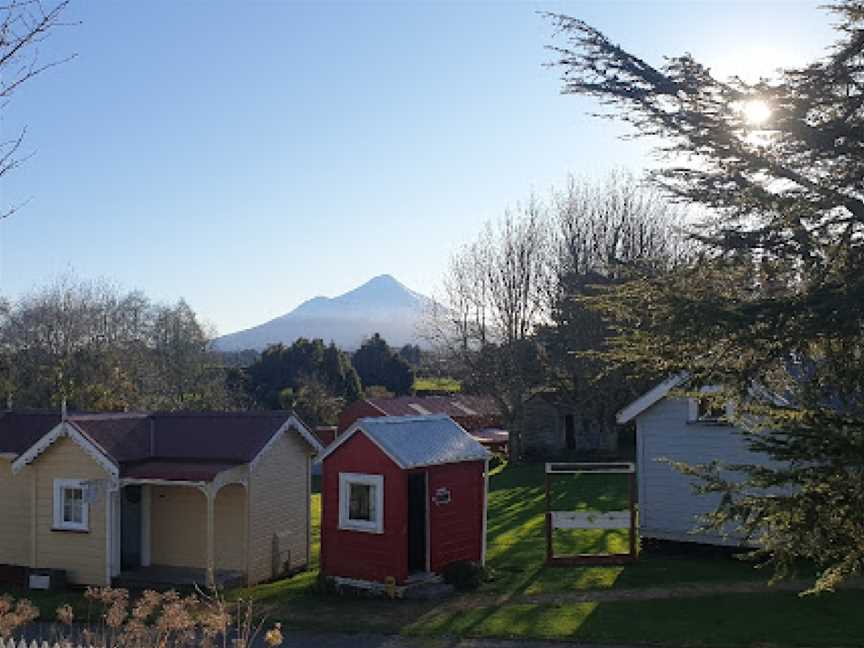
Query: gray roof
[415,441]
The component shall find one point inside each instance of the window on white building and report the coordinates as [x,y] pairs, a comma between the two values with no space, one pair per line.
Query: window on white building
[709,409]
[361,502]
[71,511]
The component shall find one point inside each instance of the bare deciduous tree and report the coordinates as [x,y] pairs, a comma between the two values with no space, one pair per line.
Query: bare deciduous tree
[24,24]
[101,349]
[495,297]
[515,317]
[606,232]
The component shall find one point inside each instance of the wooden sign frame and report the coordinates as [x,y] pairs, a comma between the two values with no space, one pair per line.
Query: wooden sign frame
[590,519]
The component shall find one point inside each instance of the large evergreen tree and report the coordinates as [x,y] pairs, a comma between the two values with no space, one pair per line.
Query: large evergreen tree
[378,365]
[603,231]
[773,310]
[307,366]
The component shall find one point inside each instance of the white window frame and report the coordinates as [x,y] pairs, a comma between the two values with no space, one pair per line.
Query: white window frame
[60,486]
[367,526]
[695,414]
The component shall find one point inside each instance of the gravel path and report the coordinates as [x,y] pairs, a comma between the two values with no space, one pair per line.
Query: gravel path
[296,639]
[308,640]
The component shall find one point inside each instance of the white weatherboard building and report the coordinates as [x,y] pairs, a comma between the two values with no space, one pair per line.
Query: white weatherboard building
[673,427]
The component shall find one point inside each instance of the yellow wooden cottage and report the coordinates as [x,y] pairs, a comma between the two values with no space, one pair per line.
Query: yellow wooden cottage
[156,498]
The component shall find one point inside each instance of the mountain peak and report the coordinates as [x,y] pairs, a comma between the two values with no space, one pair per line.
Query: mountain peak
[383,304]
[384,280]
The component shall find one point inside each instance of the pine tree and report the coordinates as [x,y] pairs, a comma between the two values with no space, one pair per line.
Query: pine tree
[773,309]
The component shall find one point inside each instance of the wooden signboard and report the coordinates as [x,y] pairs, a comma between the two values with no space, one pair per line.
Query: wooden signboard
[625,519]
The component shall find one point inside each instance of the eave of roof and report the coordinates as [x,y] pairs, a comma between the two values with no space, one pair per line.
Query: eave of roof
[467,447]
[650,398]
[176,470]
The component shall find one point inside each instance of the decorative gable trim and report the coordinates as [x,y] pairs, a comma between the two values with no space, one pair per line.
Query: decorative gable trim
[298,426]
[66,429]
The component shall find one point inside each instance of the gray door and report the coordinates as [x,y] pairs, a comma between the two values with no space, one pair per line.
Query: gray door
[130,528]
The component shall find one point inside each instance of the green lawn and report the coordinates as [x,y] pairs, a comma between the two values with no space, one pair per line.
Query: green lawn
[440,384]
[516,550]
[734,620]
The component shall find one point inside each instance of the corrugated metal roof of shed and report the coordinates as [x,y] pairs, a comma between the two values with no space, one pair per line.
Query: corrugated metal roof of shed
[415,441]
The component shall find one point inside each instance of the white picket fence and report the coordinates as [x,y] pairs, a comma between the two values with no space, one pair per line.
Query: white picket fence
[11,643]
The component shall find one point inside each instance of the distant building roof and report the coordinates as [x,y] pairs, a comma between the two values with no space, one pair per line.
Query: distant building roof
[457,405]
[491,434]
[416,441]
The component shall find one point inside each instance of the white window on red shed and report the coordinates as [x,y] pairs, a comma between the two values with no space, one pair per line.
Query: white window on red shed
[361,502]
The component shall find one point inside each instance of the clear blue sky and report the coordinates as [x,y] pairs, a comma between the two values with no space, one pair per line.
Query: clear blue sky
[248,156]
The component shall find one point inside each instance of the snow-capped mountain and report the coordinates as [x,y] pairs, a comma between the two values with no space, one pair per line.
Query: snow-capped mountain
[381,305]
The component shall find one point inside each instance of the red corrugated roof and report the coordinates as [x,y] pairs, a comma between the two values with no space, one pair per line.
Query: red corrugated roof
[176,470]
[457,406]
[225,436]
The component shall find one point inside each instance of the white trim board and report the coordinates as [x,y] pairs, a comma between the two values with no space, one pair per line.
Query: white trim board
[58,488]
[68,430]
[345,522]
[485,513]
[298,426]
[650,398]
[132,481]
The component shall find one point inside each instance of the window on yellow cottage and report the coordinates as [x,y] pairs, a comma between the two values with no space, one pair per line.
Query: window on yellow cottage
[361,502]
[71,511]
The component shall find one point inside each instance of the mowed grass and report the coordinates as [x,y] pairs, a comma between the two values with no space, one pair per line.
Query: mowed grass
[516,555]
[733,620]
[517,543]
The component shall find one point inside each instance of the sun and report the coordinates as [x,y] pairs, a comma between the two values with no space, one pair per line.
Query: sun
[756,112]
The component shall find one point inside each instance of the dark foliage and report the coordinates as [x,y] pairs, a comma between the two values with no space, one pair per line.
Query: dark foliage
[773,308]
[313,378]
[378,365]
[464,575]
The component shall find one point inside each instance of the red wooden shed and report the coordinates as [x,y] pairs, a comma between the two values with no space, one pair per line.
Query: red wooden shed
[402,497]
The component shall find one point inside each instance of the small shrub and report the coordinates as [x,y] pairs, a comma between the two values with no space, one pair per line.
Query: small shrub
[15,615]
[464,575]
[535,453]
[326,584]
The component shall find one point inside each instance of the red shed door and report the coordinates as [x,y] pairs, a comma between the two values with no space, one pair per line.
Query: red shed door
[417,523]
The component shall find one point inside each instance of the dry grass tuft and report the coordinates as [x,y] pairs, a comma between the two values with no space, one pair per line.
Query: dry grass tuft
[150,620]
